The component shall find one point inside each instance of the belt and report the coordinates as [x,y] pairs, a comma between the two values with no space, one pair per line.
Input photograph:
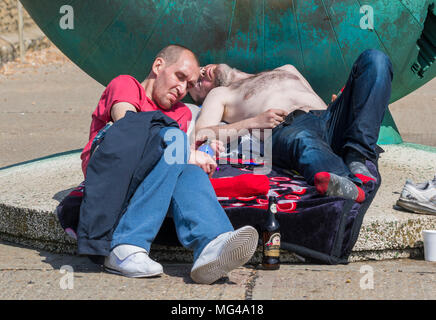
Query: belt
[289,119]
[291,116]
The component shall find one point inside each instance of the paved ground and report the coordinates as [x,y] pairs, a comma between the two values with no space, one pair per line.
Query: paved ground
[415,115]
[33,274]
[46,110]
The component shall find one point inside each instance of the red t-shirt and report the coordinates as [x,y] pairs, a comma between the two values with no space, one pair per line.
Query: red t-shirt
[125,88]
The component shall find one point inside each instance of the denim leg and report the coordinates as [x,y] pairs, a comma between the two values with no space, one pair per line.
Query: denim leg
[149,205]
[354,118]
[197,214]
[303,146]
[184,191]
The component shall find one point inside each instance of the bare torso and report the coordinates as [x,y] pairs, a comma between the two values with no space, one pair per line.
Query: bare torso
[282,88]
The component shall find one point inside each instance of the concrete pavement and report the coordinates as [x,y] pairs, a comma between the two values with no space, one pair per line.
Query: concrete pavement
[27,273]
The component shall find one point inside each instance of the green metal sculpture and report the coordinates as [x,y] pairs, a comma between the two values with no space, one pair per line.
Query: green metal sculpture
[321,38]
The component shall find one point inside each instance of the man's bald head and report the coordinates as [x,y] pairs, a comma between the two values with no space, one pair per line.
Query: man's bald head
[172,53]
[174,71]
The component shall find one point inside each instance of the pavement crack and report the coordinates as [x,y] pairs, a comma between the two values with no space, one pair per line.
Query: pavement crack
[250,284]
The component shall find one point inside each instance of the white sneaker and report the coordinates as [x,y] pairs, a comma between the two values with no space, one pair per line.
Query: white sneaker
[419,198]
[425,185]
[226,252]
[131,261]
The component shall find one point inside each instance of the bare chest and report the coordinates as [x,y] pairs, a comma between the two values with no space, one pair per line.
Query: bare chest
[280,93]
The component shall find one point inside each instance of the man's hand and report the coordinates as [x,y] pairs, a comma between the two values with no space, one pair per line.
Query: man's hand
[204,161]
[269,119]
[216,145]
[334,96]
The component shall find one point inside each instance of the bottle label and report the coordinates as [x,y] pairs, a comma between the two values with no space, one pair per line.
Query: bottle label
[273,208]
[272,246]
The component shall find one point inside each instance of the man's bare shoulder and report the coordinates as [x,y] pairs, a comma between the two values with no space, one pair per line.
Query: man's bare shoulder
[219,90]
[287,67]
[218,93]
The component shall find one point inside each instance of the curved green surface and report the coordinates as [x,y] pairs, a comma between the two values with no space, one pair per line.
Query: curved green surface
[322,38]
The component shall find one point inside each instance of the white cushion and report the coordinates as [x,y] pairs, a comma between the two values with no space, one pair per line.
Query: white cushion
[195,110]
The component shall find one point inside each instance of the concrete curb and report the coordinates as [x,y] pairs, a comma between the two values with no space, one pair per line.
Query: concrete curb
[30,192]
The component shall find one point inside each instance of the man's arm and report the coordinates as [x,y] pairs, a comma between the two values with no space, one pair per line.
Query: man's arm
[119,110]
[211,114]
[197,158]
[208,122]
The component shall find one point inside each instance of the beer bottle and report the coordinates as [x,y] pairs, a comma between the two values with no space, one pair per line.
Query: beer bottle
[271,237]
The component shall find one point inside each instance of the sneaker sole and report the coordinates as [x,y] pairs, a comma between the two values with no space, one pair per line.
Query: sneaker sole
[133,275]
[238,249]
[415,207]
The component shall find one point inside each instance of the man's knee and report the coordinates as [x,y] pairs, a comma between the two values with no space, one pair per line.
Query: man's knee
[307,139]
[377,61]
[194,172]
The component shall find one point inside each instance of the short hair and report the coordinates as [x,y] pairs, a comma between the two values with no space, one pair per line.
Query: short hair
[171,53]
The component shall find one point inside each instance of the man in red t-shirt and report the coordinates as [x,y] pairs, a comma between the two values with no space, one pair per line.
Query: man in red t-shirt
[125,93]
[182,190]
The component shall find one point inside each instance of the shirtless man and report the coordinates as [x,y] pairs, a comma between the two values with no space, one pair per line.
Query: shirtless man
[327,145]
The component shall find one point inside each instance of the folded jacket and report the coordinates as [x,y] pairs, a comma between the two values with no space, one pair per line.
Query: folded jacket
[130,150]
[244,185]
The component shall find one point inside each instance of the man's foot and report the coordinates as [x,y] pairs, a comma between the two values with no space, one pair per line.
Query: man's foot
[226,252]
[333,185]
[356,163]
[361,171]
[131,261]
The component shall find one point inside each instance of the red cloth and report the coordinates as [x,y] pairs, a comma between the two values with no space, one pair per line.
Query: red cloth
[126,88]
[245,185]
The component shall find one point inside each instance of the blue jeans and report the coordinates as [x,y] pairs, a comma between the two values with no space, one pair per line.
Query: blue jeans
[182,190]
[318,140]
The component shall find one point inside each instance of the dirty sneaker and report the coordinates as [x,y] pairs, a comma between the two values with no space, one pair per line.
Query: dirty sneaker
[419,198]
[424,185]
[226,252]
